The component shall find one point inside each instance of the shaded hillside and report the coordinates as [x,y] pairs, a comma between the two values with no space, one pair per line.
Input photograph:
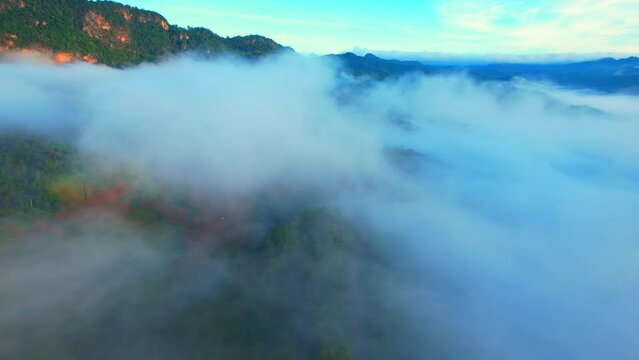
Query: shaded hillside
[111,33]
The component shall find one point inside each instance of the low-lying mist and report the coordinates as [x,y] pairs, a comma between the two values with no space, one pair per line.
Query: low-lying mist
[439,217]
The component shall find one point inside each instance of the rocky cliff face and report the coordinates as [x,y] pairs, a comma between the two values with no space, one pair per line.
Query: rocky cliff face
[7,41]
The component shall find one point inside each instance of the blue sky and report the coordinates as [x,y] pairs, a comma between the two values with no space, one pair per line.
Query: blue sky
[446,26]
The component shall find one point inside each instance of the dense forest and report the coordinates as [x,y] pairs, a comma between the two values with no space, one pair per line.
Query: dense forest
[111,33]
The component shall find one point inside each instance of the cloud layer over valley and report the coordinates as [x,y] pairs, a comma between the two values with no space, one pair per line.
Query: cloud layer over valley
[503,215]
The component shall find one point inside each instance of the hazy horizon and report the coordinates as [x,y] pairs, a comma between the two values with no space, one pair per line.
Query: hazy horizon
[461,27]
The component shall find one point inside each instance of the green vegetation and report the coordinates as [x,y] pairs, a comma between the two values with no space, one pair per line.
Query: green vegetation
[111,33]
[29,165]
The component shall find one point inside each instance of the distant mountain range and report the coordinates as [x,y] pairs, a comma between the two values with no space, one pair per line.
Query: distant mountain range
[605,75]
[111,33]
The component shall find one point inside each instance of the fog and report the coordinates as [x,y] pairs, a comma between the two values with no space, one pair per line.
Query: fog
[505,213]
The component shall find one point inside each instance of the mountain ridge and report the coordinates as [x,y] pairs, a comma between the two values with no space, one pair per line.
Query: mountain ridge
[111,33]
[606,75]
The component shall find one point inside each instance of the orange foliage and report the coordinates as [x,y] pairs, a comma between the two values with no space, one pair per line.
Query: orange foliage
[123,38]
[63,58]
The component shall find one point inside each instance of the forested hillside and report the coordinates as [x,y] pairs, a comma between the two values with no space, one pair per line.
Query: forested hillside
[111,33]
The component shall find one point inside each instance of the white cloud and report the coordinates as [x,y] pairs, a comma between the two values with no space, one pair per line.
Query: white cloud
[559,26]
